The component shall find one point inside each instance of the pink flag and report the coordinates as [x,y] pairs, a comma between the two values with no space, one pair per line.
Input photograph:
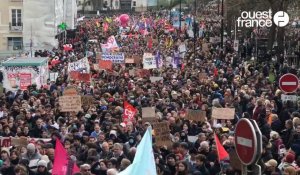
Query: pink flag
[63,165]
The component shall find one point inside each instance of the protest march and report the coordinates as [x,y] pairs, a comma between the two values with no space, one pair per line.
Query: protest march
[150,94]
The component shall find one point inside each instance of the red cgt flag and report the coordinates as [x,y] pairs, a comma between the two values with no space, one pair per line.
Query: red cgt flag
[222,153]
[129,112]
[63,165]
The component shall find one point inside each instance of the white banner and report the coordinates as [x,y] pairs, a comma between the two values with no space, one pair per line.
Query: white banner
[81,65]
[114,57]
[149,61]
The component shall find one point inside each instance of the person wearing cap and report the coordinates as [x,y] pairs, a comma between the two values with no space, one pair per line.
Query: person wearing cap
[42,168]
[271,167]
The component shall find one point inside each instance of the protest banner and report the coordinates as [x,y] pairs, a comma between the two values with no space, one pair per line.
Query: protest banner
[87,100]
[162,133]
[105,64]
[154,79]
[223,113]
[205,47]
[70,103]
[149,61]
[117,58]
[196,115]
[81,65]
[25,80]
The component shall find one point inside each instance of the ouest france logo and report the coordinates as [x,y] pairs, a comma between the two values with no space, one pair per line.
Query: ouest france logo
[262,19]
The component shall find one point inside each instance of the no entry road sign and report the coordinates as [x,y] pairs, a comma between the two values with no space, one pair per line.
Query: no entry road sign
[246,142]
[288,83]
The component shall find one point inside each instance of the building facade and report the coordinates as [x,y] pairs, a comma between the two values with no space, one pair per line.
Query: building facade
[11,25]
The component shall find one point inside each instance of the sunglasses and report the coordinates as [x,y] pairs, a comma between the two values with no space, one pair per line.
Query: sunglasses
[85,170]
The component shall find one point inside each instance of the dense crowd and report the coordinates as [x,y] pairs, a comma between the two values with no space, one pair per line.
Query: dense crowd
[99,141]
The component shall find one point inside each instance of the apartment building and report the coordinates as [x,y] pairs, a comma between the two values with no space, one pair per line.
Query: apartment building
[11,25]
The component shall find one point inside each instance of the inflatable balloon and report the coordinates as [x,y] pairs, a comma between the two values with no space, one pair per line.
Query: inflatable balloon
[124,18]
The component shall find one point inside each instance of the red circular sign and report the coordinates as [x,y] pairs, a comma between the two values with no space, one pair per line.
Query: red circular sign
[245,141]
[288,83]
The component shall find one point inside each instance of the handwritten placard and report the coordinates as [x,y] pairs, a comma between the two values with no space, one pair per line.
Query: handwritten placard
[162,133]
[223,113]
[70,103]
[148,112]
[196,115]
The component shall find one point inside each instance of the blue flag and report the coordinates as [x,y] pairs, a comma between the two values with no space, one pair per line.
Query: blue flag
[143,163]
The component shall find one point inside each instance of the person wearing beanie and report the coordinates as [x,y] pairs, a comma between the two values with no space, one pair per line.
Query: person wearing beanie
[288,160]
[42,168]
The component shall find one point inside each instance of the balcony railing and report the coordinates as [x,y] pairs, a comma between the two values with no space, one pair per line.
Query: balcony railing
[16,27]
[16,0]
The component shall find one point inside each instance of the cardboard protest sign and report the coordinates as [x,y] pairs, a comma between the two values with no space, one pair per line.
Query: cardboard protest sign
[20,141]
[105,64]
[87,100]
[70,103]
[154,79]
[162,133]
[148,112]
[223,113]
[196,115]
[149,61]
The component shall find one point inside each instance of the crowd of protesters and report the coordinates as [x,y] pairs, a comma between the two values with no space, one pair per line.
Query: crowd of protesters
[101,144]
